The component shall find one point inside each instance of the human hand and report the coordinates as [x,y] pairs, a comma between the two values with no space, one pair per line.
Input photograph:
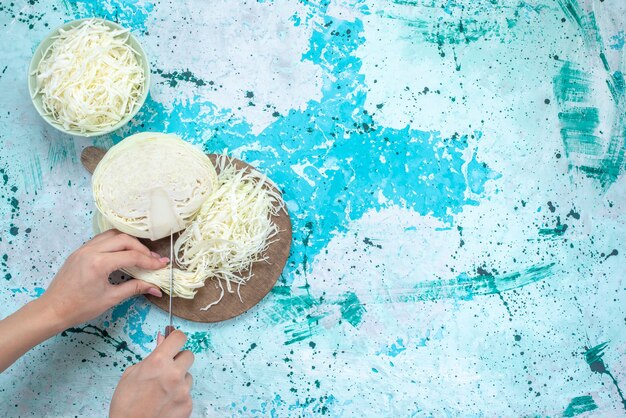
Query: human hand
[158,386]
[81,290]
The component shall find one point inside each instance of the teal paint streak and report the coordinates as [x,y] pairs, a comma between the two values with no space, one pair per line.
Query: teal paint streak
[579,121]
[304,329]
[287,306]
[465,287]
[61,150]
[586,22]
[618,40]
[134,311]
[557,231]
[594,358]
[119,344]
[600,158]
[173,78]
[616,85]
[24,13]
[32,175]
[301,313]
[311,406]
[35,293]
[579,405]
[351,309]
[128,13]
[572,84]
[394,349]
[579,128]
[121,310]
[297,312]
[478,173]
[199,342]
[456,24]
[10,213]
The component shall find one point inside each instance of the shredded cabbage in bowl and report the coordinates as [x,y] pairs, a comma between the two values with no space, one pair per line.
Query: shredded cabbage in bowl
[89,78]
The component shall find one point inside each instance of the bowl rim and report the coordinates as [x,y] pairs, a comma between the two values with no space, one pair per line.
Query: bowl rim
[38,55]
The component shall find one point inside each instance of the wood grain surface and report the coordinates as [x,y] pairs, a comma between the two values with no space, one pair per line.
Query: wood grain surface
[265,273]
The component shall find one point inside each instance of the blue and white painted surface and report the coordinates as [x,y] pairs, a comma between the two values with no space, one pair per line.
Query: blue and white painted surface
[454,170]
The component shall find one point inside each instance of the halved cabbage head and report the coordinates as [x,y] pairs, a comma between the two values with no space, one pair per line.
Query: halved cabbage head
[152,184]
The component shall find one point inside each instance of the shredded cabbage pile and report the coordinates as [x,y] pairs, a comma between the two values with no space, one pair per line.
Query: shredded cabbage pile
[89,78]
[233,228]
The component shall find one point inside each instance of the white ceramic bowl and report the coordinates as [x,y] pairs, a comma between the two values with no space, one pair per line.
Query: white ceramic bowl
[38,55]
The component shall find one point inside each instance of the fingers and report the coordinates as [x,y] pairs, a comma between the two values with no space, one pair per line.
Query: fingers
[172,345]
[120,242]
[189,380]
[184,360]
[134,287]
[160,338]
[114,240]
[131,258]
[104,235]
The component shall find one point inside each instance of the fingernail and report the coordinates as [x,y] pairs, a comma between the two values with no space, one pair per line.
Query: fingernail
[155,255]
[164,260]
[155,292]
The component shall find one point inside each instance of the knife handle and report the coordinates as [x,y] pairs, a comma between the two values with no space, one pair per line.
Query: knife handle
[168,330]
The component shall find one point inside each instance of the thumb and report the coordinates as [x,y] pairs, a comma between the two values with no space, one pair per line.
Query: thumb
[135,287]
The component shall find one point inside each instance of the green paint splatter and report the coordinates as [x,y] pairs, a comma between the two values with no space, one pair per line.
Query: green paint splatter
[465,287]
[119,344]
[352,310]
[579,122]
[593,357]
[371,243]
[296,311]
[23,13]
[62,149]
[304,329]
[580,404]
[199,342]
[601,158]
[291,307]
[586,22]
[32,175]
[173,78]
[453,24]
[557,231]
[252,347]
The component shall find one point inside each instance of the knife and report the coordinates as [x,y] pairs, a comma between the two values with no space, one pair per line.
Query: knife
[170,327]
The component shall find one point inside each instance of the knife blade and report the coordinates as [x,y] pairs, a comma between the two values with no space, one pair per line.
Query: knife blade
[170,327]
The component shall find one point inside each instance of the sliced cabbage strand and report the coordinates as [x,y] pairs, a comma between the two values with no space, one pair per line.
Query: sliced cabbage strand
[89,78]
[233,228]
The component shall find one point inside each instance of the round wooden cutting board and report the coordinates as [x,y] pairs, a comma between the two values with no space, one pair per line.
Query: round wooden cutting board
[265,273]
